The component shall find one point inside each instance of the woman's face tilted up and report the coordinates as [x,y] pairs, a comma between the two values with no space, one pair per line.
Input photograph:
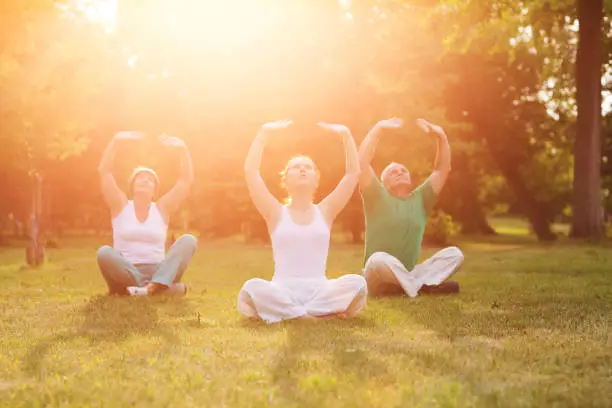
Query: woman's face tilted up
[144,185]
[301,174]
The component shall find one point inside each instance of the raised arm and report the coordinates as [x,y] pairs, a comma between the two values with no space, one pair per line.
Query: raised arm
[267,205]
[443,155]
[114,197]
[368,147]
[337,199]
[172,200]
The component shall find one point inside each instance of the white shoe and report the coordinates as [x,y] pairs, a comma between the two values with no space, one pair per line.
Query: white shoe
[137,291]
[175,289]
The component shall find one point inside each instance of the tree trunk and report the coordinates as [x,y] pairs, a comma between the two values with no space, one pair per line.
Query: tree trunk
[35,252]
[587,220]
[356,234]
[536,212]
[459,198]
[353,221]
[477,225]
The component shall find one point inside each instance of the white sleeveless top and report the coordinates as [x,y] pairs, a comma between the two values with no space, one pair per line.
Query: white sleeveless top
[140,243]
[300,251]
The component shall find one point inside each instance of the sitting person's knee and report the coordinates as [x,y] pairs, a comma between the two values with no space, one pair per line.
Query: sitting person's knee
[254,284]
[376,264]
[377,260]
[243,296]
[189,241]
[363,287]
[105,253]
[354,284]
[359,283]
[245,304]
[361,293]
[456,253]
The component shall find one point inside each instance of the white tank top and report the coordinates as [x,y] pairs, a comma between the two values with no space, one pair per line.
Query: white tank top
[300,251]
[140,242]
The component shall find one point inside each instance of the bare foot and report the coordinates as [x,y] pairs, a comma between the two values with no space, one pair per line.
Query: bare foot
[155,288]
[340,315]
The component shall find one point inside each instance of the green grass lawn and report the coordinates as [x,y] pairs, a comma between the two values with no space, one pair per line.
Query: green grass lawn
[530,329]
[520,226]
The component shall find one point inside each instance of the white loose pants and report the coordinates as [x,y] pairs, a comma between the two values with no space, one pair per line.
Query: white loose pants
[386,275]
[273,301]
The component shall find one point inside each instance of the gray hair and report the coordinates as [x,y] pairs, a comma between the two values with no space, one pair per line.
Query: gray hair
[382,174]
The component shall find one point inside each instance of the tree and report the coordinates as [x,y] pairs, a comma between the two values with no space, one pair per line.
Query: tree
[587,221]
[51,70]
[606,165]
[570,70]
[488,95]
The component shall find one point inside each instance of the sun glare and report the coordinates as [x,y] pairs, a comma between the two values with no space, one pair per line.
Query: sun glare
[101,11]
[224,23]
[227,27]
[230,21]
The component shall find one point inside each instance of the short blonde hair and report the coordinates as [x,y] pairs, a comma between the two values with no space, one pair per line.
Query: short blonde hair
[138,170]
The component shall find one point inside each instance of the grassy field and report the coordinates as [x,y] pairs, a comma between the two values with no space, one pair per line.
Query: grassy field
[519,226]
[530,329]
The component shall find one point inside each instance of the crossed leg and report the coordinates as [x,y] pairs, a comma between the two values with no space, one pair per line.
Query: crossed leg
[387,276]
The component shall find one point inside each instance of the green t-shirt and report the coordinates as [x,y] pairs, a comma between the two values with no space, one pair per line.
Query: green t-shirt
[396,225]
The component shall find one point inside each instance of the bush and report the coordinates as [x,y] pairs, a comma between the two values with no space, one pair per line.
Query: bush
[440,228]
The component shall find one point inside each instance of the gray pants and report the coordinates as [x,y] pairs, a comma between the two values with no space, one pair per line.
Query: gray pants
[119,273]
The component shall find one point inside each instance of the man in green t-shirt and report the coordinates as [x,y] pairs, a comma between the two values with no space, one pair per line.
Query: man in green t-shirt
[396,215]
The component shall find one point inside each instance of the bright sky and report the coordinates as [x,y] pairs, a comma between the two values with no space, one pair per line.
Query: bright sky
[103,11]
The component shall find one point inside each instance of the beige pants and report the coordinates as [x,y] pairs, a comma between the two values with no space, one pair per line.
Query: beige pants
[386,275]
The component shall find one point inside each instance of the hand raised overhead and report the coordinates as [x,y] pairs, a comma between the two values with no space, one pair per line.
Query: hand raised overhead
[267,128]
[336,128]
[129,135]
[277,125]
[171,141]
[392,123]
[429,127]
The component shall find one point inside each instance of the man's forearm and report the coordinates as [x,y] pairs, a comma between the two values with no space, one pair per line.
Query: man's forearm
[368,147]
[443,154]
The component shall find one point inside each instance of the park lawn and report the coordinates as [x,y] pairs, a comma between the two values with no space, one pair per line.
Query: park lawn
[530,329]
[520,226]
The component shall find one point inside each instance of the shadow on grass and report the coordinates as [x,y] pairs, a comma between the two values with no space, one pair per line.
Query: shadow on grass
[337,342]
[111,319]
[349,356]
[507,314]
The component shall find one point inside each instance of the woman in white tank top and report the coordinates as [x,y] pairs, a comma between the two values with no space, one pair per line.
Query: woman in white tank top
[300,235]
[137,264]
